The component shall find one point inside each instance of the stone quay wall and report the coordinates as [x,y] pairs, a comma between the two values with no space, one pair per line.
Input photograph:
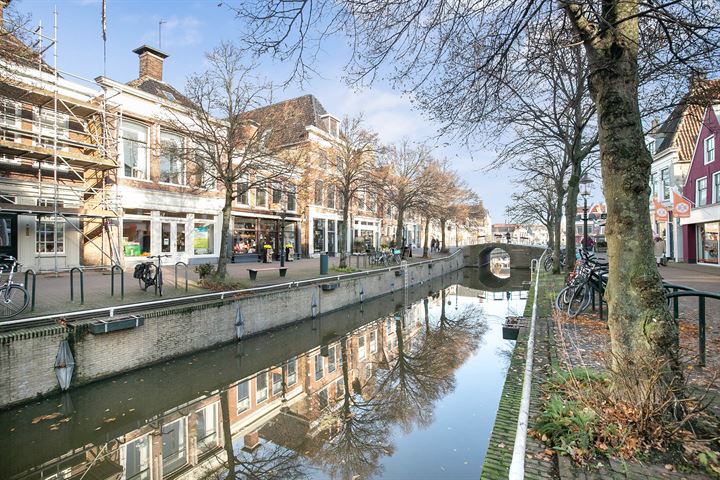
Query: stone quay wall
[28,357]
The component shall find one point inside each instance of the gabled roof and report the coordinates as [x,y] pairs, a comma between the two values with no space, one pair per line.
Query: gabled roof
[289,119]
[160,89]
[679,130]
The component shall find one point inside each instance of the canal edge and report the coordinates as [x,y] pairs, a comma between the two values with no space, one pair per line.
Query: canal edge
[500,449]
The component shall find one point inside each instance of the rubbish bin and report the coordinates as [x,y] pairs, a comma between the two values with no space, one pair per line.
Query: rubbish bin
[323,264]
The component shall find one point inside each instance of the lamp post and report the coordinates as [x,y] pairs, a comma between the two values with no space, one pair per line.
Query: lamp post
[585,181]
[282,236]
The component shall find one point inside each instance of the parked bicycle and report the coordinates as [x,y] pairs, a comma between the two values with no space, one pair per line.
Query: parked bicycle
[549,258]
[149,274]
[14,297]
[589,276]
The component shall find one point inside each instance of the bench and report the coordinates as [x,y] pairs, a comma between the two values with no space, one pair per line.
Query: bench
[254,271]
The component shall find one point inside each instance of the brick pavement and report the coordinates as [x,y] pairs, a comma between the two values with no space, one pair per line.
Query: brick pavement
[53,290]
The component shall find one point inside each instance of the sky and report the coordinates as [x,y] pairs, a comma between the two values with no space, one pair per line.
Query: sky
[193,27]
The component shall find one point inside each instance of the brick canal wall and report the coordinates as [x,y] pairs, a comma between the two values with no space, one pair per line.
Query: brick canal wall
[27,357]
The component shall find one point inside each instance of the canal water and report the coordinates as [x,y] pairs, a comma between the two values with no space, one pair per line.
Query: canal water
[401,387]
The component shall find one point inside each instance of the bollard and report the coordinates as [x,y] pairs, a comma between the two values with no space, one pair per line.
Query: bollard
[186,274]
[72,285]
[112,281]
[324,259]
[28,272]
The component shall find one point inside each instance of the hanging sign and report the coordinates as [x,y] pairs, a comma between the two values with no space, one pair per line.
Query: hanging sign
[661,212]
[681,206]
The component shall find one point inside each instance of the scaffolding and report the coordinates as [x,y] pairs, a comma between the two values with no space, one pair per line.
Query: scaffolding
[59,133]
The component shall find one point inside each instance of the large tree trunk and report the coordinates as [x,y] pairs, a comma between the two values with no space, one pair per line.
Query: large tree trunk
[426,235]
[570,214]
[346,236]
[643,333]
[225,233]
[557,227]
[443,248]
[399,229]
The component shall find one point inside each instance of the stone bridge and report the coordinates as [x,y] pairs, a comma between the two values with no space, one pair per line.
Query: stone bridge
[520,255]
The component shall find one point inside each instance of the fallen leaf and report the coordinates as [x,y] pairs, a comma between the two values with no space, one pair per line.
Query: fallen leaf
[49,416]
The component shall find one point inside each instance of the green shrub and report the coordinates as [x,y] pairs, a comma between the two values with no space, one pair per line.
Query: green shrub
[203,270]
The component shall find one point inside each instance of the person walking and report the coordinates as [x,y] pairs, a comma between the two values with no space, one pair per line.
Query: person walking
[659,249]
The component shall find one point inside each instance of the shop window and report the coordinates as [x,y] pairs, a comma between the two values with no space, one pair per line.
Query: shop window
[174,446]
[243,396]
[708,237]
[172,166]
[206,428]
[50,236]
[136,459]
[133,151]
[204,238]
[136,237]
[244,237]
[180,238]
[261,390]
[318,235]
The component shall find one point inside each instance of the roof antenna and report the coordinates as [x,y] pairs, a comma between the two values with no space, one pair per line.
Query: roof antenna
[160,24]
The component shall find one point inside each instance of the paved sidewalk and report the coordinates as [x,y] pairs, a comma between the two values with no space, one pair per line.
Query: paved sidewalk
[53,290]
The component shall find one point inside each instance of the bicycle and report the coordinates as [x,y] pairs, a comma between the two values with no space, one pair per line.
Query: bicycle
[589,276]
[548,263]
[149,274]
[14,297]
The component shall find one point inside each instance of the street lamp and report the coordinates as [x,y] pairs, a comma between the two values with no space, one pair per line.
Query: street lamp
[283,214]
[585,181]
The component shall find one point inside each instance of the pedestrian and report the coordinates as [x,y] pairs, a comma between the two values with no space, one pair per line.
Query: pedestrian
[659,249]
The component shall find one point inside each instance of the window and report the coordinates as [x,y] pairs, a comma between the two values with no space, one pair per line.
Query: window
[243,396]
[318,367]
[242,192]
[653,187]
[318,192]
[205,167]
[261,391]
[701,191]
[665,177]
[323,160]
[206,428]
[323,399]
[709,149]
[172,167]
[9,117]
[136,459]
[716,187]
[277,380]
[291,198]
[133,139]
[136,237]
[651,146]
[204,238]
[373,341]
[47,122]
[361,347]
[291,372]
[50,236]
[276,192]
[174,446]
[260,196]
[180,237]
[339,388]
[331,359]
[331,196]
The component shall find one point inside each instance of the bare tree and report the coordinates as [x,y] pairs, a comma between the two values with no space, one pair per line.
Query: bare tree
[536,203]
[354,165]
[452,56]
[227,147]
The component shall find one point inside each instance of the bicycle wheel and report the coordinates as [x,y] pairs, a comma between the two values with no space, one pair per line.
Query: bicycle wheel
[580,300]
[13,300]
[548,264]
[562,299]
[148,277]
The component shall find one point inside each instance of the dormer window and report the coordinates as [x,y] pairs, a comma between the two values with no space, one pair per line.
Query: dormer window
[709,149]
[331,124]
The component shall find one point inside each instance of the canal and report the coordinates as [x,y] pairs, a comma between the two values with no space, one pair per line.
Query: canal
[404,386]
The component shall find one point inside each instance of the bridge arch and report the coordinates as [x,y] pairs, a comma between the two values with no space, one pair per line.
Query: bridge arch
[521,256]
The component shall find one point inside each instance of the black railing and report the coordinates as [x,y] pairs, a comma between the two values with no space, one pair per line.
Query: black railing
[688,292]
[186,274]
[29,272]
[119,269]
[72,285]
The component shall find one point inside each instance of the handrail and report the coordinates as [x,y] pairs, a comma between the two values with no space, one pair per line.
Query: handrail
[112,281]
[72,285]
[34,282]
[675,288]
[517,465]
[177,264]
[110,311]
[701,315]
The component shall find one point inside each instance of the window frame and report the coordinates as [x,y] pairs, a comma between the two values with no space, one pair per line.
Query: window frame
[181,173]
[123,459]
[709,154]
[185,448]
[362,347]
[332,359]
[262,188]
[63,130]
[700,200]
[319,374]
[665,181]
[59,233]
[121,150]
[716,187]
[16,117]
[200,442]
[259,398]
[319,187]
[238,402]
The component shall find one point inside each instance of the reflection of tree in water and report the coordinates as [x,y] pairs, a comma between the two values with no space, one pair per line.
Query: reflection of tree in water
[359,430]
[268,461]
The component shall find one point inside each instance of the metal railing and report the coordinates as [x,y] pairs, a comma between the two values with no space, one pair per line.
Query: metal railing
[130,307]
[683,291]
[119,269]
[72,284]
[186,274]
[29,272]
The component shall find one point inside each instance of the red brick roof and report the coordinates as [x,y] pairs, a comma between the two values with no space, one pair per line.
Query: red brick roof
[288,119]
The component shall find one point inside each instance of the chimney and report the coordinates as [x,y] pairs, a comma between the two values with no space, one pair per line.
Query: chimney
[3,4]
[151,61]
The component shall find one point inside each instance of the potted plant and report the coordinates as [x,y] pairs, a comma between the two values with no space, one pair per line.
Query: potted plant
[267,257]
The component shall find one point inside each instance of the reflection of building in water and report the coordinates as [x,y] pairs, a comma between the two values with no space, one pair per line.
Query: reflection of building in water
[289,410]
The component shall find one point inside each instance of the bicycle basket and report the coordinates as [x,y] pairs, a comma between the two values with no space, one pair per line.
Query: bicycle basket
[139,270]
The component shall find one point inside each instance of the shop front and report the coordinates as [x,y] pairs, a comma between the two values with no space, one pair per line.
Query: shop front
[707,242]
[253,237]
[701,235]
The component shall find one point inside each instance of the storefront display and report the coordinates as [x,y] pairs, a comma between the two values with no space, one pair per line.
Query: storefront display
[204,240]
[708,237]
[136,238]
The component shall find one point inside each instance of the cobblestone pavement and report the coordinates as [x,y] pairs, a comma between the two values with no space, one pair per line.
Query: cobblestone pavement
[53,290]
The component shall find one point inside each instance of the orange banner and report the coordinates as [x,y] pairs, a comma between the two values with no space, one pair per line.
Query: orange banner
[681,206]
[661,212]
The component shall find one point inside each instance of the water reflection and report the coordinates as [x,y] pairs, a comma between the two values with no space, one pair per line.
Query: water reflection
[357,404]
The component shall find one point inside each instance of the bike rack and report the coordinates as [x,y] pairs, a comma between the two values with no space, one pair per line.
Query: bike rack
[112,281]
[28,272]
[186,274]
[72,285]
[688,292]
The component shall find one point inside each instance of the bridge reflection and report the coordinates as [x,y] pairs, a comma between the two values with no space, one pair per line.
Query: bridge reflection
[482,278]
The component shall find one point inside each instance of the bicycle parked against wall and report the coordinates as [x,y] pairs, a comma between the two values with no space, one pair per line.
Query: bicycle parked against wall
[149,274]
[13,296]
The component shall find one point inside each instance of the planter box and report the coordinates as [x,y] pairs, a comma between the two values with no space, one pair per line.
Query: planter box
[114,324]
